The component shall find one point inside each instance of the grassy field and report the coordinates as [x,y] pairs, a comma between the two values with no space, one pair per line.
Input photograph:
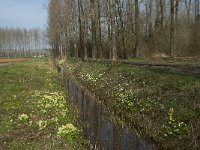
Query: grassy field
[162,105]
[34,113]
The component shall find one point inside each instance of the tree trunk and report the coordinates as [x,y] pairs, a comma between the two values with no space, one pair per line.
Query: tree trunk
[74,36]
[188,9]
[171,28]
[135,51]
[80,27]
[161,15]
[109,37]
[150,18]
[99,27]
[196,9]
[84,32]
[113,30]
[94,31]
[176,12]
[122,28]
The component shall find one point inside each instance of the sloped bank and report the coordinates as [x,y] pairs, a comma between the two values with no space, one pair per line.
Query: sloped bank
[162,105]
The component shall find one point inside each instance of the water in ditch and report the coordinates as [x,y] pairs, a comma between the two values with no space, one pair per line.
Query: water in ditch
[98,127]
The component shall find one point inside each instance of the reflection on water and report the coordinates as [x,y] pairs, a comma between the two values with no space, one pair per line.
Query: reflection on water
[97,126]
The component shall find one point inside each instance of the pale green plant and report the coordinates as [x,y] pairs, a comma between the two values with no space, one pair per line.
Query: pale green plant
[23,117]
[42,124]
[68,131]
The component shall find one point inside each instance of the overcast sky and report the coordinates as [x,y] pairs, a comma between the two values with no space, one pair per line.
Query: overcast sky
[23,13]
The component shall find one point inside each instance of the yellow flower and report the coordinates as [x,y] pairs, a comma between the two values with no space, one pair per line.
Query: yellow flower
[42,124]
[23,117]
[66,129]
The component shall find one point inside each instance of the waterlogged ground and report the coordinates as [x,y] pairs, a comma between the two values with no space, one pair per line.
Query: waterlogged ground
[161,105]
[34,113]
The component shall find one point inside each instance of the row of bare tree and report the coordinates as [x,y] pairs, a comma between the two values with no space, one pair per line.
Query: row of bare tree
[16,42]
[124,28]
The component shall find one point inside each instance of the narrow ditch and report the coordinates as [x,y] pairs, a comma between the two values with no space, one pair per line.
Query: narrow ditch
[98,125]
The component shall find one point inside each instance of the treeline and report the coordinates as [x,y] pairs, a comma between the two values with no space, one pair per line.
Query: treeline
[17,42]
[124,28]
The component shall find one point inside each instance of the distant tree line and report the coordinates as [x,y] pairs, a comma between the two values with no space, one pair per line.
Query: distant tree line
[17,42]
[124,28]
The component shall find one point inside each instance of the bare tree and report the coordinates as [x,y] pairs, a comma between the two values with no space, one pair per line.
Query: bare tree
[113,30]
[122,28]
[188,9]
[136,28]
[172,28]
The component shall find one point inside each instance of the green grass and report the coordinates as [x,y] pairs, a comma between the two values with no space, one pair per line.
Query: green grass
[162,105]
[34,112]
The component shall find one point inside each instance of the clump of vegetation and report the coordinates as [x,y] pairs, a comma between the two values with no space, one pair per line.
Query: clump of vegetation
[174,128]
[164,105]
[68,131]
[23,117]
[34,108]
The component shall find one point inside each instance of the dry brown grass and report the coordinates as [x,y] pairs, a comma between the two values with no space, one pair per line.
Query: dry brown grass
[6,60]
